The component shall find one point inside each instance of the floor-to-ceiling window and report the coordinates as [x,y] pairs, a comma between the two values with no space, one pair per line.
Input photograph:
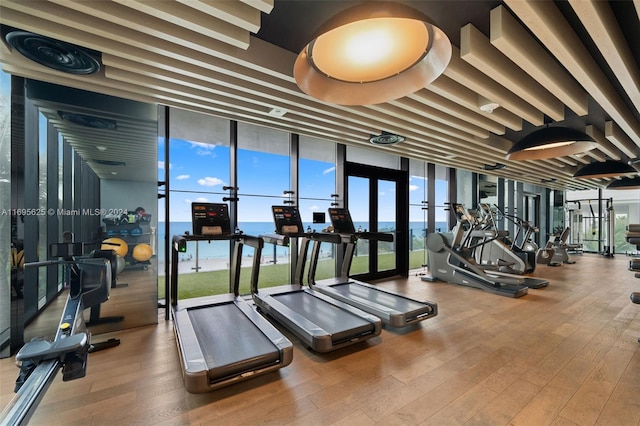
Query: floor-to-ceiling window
[199,169]
[317,192]
[7,267]
[598,219]
[443,218]
[418,214]
[42,207]
[263,165]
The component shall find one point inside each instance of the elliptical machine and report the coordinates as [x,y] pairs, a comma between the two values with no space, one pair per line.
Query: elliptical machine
[451,260]
[521,244]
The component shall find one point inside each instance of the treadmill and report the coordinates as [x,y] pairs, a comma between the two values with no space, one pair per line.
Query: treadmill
[221,339]
[392,308]
[322,323]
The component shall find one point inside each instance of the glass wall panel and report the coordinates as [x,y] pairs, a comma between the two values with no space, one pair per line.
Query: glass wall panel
[263,167]
[418,214]
[199,168]
[7,267]
[487,190]
[316,184]
[387,216]
[60,200]
[592,220]
[442,196]
[359,209]
[465,189]
[42,207]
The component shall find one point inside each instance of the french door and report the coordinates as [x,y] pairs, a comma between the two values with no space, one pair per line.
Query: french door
[378,202]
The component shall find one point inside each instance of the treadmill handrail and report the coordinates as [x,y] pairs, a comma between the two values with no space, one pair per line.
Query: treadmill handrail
[179,245]
[374,236]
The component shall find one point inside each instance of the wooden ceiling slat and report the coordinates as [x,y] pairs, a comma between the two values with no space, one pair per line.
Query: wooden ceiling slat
[599,21]
[462,95]
[508,36]
[476,50]
[153,53]
[243,15]
[174,13]
[468,76]
[546,22]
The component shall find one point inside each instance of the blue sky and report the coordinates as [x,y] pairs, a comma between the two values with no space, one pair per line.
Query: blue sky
[262,178]
[203,169]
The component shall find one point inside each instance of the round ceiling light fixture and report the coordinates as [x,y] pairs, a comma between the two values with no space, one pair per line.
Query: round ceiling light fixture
[625,183]
[371,53]
[605,169]
[52,53]
[551,142]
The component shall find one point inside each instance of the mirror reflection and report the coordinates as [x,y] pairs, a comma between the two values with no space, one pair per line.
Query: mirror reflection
[84,173]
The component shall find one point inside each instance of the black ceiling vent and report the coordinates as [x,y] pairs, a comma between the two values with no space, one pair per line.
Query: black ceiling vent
[109,162]
[496,166]
[52,53]
[88,120]
[386,138]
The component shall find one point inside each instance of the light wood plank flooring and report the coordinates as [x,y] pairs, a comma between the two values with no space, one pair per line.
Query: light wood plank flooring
[564,355]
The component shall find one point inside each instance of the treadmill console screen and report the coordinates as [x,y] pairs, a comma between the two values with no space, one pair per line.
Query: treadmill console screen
[287,220]
[341,221]
[210,219]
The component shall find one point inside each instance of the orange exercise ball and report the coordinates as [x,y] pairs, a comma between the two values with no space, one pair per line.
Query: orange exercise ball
[142,252]
[116,244]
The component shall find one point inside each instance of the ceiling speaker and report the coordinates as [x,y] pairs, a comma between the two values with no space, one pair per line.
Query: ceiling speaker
[386,138]
[52,53]
[88,120]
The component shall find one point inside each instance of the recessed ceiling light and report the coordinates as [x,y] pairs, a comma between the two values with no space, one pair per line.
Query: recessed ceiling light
[277,112]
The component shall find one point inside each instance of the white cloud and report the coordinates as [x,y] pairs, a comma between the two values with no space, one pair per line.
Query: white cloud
[161,165]
[413,188]
[202,145]
[204,153]
[329,170]
[182,177]
[314,208]
[197,200]
[210,181]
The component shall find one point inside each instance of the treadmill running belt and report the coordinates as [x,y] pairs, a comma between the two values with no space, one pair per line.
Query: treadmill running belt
[398,303]
[230,342]
[339,323]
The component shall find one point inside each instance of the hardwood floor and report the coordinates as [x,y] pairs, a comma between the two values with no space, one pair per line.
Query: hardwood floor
[564,355]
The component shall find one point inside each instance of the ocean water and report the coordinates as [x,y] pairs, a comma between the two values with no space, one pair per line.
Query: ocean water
[220,249]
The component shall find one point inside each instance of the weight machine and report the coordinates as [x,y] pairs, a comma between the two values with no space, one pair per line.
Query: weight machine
[594,227]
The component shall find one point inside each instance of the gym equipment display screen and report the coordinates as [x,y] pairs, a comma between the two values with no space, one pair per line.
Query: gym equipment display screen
[341,221]
[287,220]
[210,219]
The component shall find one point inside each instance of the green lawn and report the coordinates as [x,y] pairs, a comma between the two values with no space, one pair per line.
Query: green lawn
[217,282]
